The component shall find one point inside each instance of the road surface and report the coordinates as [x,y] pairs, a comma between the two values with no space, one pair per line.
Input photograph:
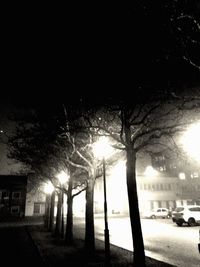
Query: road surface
[163,239]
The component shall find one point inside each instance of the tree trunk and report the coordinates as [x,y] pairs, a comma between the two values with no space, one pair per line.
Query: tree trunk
[47,212]
[58,215]
[89,218]
[62,218]
[51,224]
[138,245]
[69,224]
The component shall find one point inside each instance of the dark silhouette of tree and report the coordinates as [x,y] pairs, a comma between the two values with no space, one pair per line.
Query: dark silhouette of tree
[148,123]
[35,144]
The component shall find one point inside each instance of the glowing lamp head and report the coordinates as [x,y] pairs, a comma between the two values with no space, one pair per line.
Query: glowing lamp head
[63,177]
[48,188]
[102,148]
[191,141]
[150,171]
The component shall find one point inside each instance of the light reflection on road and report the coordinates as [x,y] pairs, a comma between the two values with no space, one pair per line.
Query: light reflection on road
[163,240]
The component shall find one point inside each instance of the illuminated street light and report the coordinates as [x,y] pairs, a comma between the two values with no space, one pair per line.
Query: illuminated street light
[48,190]
[102,150]
[191,141]
[63,177]
[150,172]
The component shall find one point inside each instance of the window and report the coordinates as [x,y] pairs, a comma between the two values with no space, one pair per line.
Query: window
[15,209]
[16,195]
[178,209]
[36,209]
[5,195]
[194,175]
[169,187]
[181,176]
[195,209]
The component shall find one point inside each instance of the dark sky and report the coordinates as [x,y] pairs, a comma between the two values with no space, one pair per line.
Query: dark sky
[56,52]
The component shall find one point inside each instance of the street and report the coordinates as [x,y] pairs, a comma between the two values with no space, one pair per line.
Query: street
[163,239]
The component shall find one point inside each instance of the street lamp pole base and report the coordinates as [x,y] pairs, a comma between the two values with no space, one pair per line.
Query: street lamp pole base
[107,247]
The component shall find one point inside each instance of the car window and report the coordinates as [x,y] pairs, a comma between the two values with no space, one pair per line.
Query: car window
[178,209]
[194,209]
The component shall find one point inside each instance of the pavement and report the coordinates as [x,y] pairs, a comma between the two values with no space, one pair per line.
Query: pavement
[54,252]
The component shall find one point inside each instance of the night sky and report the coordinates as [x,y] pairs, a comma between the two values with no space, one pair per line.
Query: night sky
[54,53]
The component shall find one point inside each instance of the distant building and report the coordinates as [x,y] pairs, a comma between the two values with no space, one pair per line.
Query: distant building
[187,172]
[12,195]
[154,191]
[161,182]
[35,204]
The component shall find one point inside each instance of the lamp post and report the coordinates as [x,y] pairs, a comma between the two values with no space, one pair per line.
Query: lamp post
[106,230]
[48,189]
[102,149]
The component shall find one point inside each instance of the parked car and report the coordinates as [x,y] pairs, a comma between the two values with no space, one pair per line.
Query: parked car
[186,214]
[157,213]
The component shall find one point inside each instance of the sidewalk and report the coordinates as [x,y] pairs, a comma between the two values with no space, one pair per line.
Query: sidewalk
[55,253]
[37,220]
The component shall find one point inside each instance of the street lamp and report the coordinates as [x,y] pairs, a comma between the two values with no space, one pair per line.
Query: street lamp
[48,189]
[63,177]
[191,141]
[150,172]
[102,150]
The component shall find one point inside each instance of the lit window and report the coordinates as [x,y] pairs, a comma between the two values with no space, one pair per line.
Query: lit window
[195,175]
[181,176]
[5,195]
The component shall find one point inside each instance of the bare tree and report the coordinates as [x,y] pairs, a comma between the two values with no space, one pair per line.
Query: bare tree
[150,122]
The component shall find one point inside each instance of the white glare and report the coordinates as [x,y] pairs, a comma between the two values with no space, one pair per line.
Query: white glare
[119,169]
[102,148]
[191,141]
[63,177]
[150,171]
[48,188]
[181,176]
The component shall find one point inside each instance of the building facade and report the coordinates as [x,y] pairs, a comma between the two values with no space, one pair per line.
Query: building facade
[154,191]
[161,182]
[12,196]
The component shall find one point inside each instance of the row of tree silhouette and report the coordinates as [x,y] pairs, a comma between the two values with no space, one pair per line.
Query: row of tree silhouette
[49,140]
